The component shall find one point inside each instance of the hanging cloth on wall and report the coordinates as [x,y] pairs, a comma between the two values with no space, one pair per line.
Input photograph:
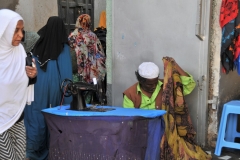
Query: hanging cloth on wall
[101,34]
[228,11]
[229,21]
[101,30]
[102,20]
[178,141]
[237,44]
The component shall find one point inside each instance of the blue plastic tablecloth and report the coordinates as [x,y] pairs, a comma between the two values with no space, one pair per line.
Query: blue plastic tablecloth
[154,117]
[119,111]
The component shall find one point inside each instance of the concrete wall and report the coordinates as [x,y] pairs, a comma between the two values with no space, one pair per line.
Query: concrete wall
[214,71]
[99,6]
[34,12]
[10,4]
[27,14]
[109,51]
[229,89]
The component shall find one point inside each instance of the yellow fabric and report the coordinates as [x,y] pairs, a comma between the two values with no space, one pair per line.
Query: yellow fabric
[102,20]
[188,84]
[178,140]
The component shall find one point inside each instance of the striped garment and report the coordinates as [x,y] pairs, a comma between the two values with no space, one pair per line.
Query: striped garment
[13,143]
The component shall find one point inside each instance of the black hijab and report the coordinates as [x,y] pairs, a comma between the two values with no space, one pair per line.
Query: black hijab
[51,42]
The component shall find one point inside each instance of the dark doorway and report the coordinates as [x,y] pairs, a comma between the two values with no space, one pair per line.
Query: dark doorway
[69,10]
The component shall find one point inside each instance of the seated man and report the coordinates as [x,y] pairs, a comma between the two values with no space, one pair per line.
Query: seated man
[151,93]
[147,93]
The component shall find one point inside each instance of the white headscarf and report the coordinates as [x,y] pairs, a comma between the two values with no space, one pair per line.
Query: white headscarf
[13,77]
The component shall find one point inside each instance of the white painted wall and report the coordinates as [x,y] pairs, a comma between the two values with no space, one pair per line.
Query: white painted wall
[148,31]
[36,12]
[99,6]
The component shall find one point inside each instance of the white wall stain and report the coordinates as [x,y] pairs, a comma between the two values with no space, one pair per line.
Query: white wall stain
[123,36]
[135,44]
[120,56]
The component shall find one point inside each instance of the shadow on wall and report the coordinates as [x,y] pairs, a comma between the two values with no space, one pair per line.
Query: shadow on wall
[9,4]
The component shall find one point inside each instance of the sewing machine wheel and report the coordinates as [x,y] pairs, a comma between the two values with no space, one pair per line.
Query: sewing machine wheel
[73,88]
[65,87]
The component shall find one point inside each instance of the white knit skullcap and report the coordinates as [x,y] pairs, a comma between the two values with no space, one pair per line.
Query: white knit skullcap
[148,70]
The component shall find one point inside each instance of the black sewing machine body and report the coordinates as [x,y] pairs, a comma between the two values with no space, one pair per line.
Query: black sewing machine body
[77,89]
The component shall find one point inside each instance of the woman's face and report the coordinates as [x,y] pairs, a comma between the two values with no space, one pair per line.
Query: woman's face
[84,24]
[18,33]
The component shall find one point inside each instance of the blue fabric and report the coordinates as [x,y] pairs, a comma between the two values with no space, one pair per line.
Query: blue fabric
[119,111]
[156,124]
[46,93]
[237,64]
[156,129]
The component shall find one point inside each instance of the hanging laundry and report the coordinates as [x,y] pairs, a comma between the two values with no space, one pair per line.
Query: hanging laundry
[237,64]
[228,11]
[101,30]
[101,34]
[102,20]
[229,21]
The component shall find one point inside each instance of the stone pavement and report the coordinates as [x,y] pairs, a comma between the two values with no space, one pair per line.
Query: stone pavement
[227,154]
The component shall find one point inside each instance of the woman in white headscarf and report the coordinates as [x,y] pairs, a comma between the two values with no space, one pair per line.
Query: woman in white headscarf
[14,81]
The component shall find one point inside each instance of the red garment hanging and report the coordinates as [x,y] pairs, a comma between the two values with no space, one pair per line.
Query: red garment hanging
[229,11]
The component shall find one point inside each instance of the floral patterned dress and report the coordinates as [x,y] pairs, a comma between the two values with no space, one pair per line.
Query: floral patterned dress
[90,54]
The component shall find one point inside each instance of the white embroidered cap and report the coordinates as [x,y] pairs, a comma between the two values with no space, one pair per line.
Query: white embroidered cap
[148,70]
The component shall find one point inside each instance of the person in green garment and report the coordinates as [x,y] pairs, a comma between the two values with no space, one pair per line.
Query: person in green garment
[147,92]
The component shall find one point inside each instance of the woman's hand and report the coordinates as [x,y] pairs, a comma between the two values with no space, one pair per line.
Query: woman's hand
[31,71]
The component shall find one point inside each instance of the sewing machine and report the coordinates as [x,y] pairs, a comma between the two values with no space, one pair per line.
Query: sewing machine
[77,89]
